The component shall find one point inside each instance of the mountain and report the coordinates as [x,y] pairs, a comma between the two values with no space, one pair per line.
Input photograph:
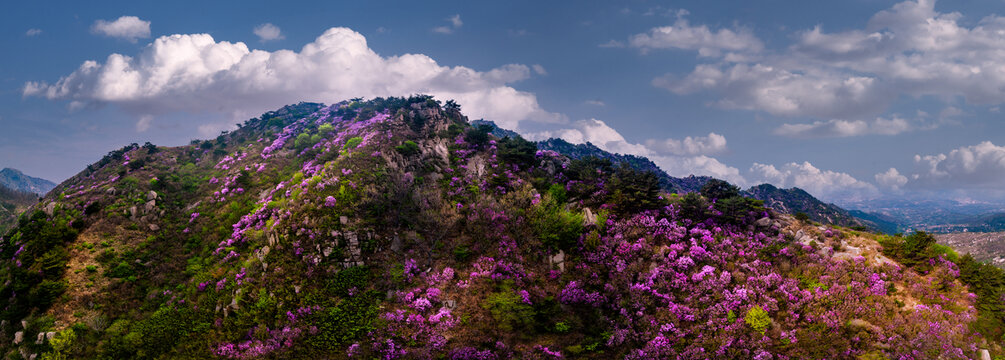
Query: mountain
[581,151]
[12,204]
[795,200]
[883,223]
[789,201]
[16,180]
[393,229]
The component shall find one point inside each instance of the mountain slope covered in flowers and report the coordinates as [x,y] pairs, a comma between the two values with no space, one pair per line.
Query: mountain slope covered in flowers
[391,228]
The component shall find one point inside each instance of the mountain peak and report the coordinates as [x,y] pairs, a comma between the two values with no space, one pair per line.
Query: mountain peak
[17,180]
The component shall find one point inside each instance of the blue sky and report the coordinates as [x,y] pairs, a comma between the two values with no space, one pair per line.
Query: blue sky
[849,100]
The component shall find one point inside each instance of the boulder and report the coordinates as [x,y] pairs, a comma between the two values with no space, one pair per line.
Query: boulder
[154,227]
[985,355]
[152,195]
[50,208]
[150,205]
[18,337]
[763,222]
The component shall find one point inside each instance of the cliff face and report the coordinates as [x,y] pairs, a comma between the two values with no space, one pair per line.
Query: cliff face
[391,228]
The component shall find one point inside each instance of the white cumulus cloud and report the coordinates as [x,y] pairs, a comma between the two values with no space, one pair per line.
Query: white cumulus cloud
[844,128]
[268,32]
[908,51]
[891,179]
[196,73]
[825,184]
[980,166]
[129,28]
[32,32]
[681,35]
[698,145]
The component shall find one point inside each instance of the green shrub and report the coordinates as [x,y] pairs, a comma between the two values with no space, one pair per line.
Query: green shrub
[555,226]
[122,270]
[517,150]
[508,310]
[801,216]
[353,143]
[634,190]
[758,319]
[48,291]
[408,148]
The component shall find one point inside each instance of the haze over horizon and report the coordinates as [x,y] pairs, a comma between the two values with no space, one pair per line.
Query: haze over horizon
[849,101]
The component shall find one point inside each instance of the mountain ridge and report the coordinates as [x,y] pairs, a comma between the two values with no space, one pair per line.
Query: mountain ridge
[392,228]
[16,180]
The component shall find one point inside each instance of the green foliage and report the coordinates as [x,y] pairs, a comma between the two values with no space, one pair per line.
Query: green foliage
[757,319]
[988,282]
[61,345]
[120,271]
[634,190]
[325,128]
[739,210]
[731,317]
[508,310]
[589,168]
[408,148]
[915,250]
[517,151]
[693,206]
[478,135]
[158,334]
[345,318]
[557,227]
[801,216]
[47,292]
[719,189]
[352,143]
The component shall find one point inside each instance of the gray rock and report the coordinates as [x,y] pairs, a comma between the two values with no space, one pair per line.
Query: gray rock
[110,191]
[18,337]
[985,355]
[40,338]
[152,195]
[150,205]
[154,227]
[50,208]
[343,220]
[763,222]
[50,335]
[588,217]
[558,259]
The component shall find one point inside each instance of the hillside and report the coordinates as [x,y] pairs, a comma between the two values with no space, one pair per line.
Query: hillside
[391,228]
[16,180]
[795,200]
[983,246]
[13,203]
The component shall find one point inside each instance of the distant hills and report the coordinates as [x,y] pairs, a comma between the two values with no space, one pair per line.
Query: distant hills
[16,180]
[796,200]
[13,203]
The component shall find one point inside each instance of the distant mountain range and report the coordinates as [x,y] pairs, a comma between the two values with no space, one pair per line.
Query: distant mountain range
[791,201]
[16,180]
[12,204]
